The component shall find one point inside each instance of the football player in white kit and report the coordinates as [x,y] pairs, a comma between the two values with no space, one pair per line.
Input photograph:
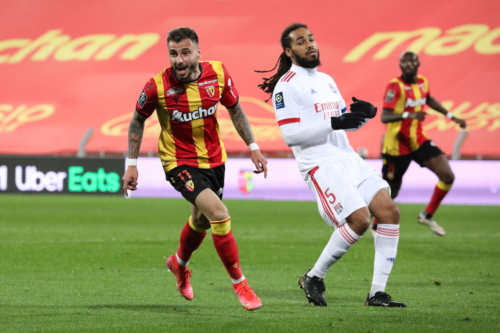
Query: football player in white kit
[313,118]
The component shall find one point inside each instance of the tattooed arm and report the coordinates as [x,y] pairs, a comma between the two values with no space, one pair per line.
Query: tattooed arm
[242,126]
[135,132]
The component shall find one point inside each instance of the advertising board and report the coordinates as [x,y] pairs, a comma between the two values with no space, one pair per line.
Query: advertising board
[41,174]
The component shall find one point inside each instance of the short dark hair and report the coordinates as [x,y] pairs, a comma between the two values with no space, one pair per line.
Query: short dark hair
[285,36]
[415,55]
[178,34]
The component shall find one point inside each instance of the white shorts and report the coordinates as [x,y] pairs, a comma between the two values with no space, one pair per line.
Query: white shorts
[344,186]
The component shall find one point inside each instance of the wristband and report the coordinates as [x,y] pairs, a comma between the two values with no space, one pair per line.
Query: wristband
[405,115]
[253,146]
[449,115]
[132,161]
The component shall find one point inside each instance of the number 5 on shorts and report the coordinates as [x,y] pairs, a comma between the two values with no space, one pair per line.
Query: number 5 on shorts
[330,195]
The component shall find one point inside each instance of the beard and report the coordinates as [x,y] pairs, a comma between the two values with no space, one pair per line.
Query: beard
[186,77]
[410,75]
[303,62]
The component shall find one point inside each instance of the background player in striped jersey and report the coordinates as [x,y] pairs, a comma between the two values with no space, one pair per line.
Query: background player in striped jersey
[405,140]
[313,117]
[185,97]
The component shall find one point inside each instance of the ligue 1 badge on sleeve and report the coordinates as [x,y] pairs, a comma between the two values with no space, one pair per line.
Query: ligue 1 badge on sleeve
[278,101]
[142,99]
[390,96]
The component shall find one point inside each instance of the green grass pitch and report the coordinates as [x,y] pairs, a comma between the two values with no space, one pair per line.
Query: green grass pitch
[96,264]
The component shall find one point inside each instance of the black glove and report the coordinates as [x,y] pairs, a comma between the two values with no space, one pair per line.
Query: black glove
[348,121]
[365,108]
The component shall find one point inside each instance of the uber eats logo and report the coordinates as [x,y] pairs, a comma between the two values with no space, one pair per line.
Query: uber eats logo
[30,179]
[100,181]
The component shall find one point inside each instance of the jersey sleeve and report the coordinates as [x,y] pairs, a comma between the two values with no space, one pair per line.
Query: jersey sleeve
[391,96]
[286,102]
[229,97]
[148,99]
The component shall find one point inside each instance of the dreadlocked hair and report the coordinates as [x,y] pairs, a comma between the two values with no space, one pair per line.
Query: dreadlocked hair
[284,62]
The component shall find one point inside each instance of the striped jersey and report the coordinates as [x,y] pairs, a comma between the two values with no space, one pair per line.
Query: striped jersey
[187,113]
[405,136]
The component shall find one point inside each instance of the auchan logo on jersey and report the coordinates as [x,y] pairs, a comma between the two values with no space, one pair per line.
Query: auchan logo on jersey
[430,41]
[411,103]
[190,116]
[62,47]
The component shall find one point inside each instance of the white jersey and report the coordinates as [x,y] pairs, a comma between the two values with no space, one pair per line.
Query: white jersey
[305,100]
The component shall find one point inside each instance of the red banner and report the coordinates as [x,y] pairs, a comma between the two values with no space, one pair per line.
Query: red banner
[69,66]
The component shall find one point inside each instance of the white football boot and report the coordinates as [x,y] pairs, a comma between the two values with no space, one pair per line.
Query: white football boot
[431,223]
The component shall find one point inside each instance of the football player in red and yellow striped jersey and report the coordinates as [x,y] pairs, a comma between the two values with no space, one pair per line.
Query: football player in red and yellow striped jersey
[405,140]
[185,97]
[187,113]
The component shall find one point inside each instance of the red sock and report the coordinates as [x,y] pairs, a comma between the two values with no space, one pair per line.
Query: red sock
[228,252]
[375,221]
[440,191]
[189,242]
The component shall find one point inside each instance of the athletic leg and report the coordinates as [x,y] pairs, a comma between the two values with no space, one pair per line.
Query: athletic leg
[192,236]
[386,247]
[393,170]
[190,239]
[220,222]
[340,205]
[440,166]
[341,240]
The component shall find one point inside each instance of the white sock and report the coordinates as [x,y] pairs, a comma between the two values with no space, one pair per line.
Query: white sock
[340,241]
[386,248]
[239,280]
[180,261]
